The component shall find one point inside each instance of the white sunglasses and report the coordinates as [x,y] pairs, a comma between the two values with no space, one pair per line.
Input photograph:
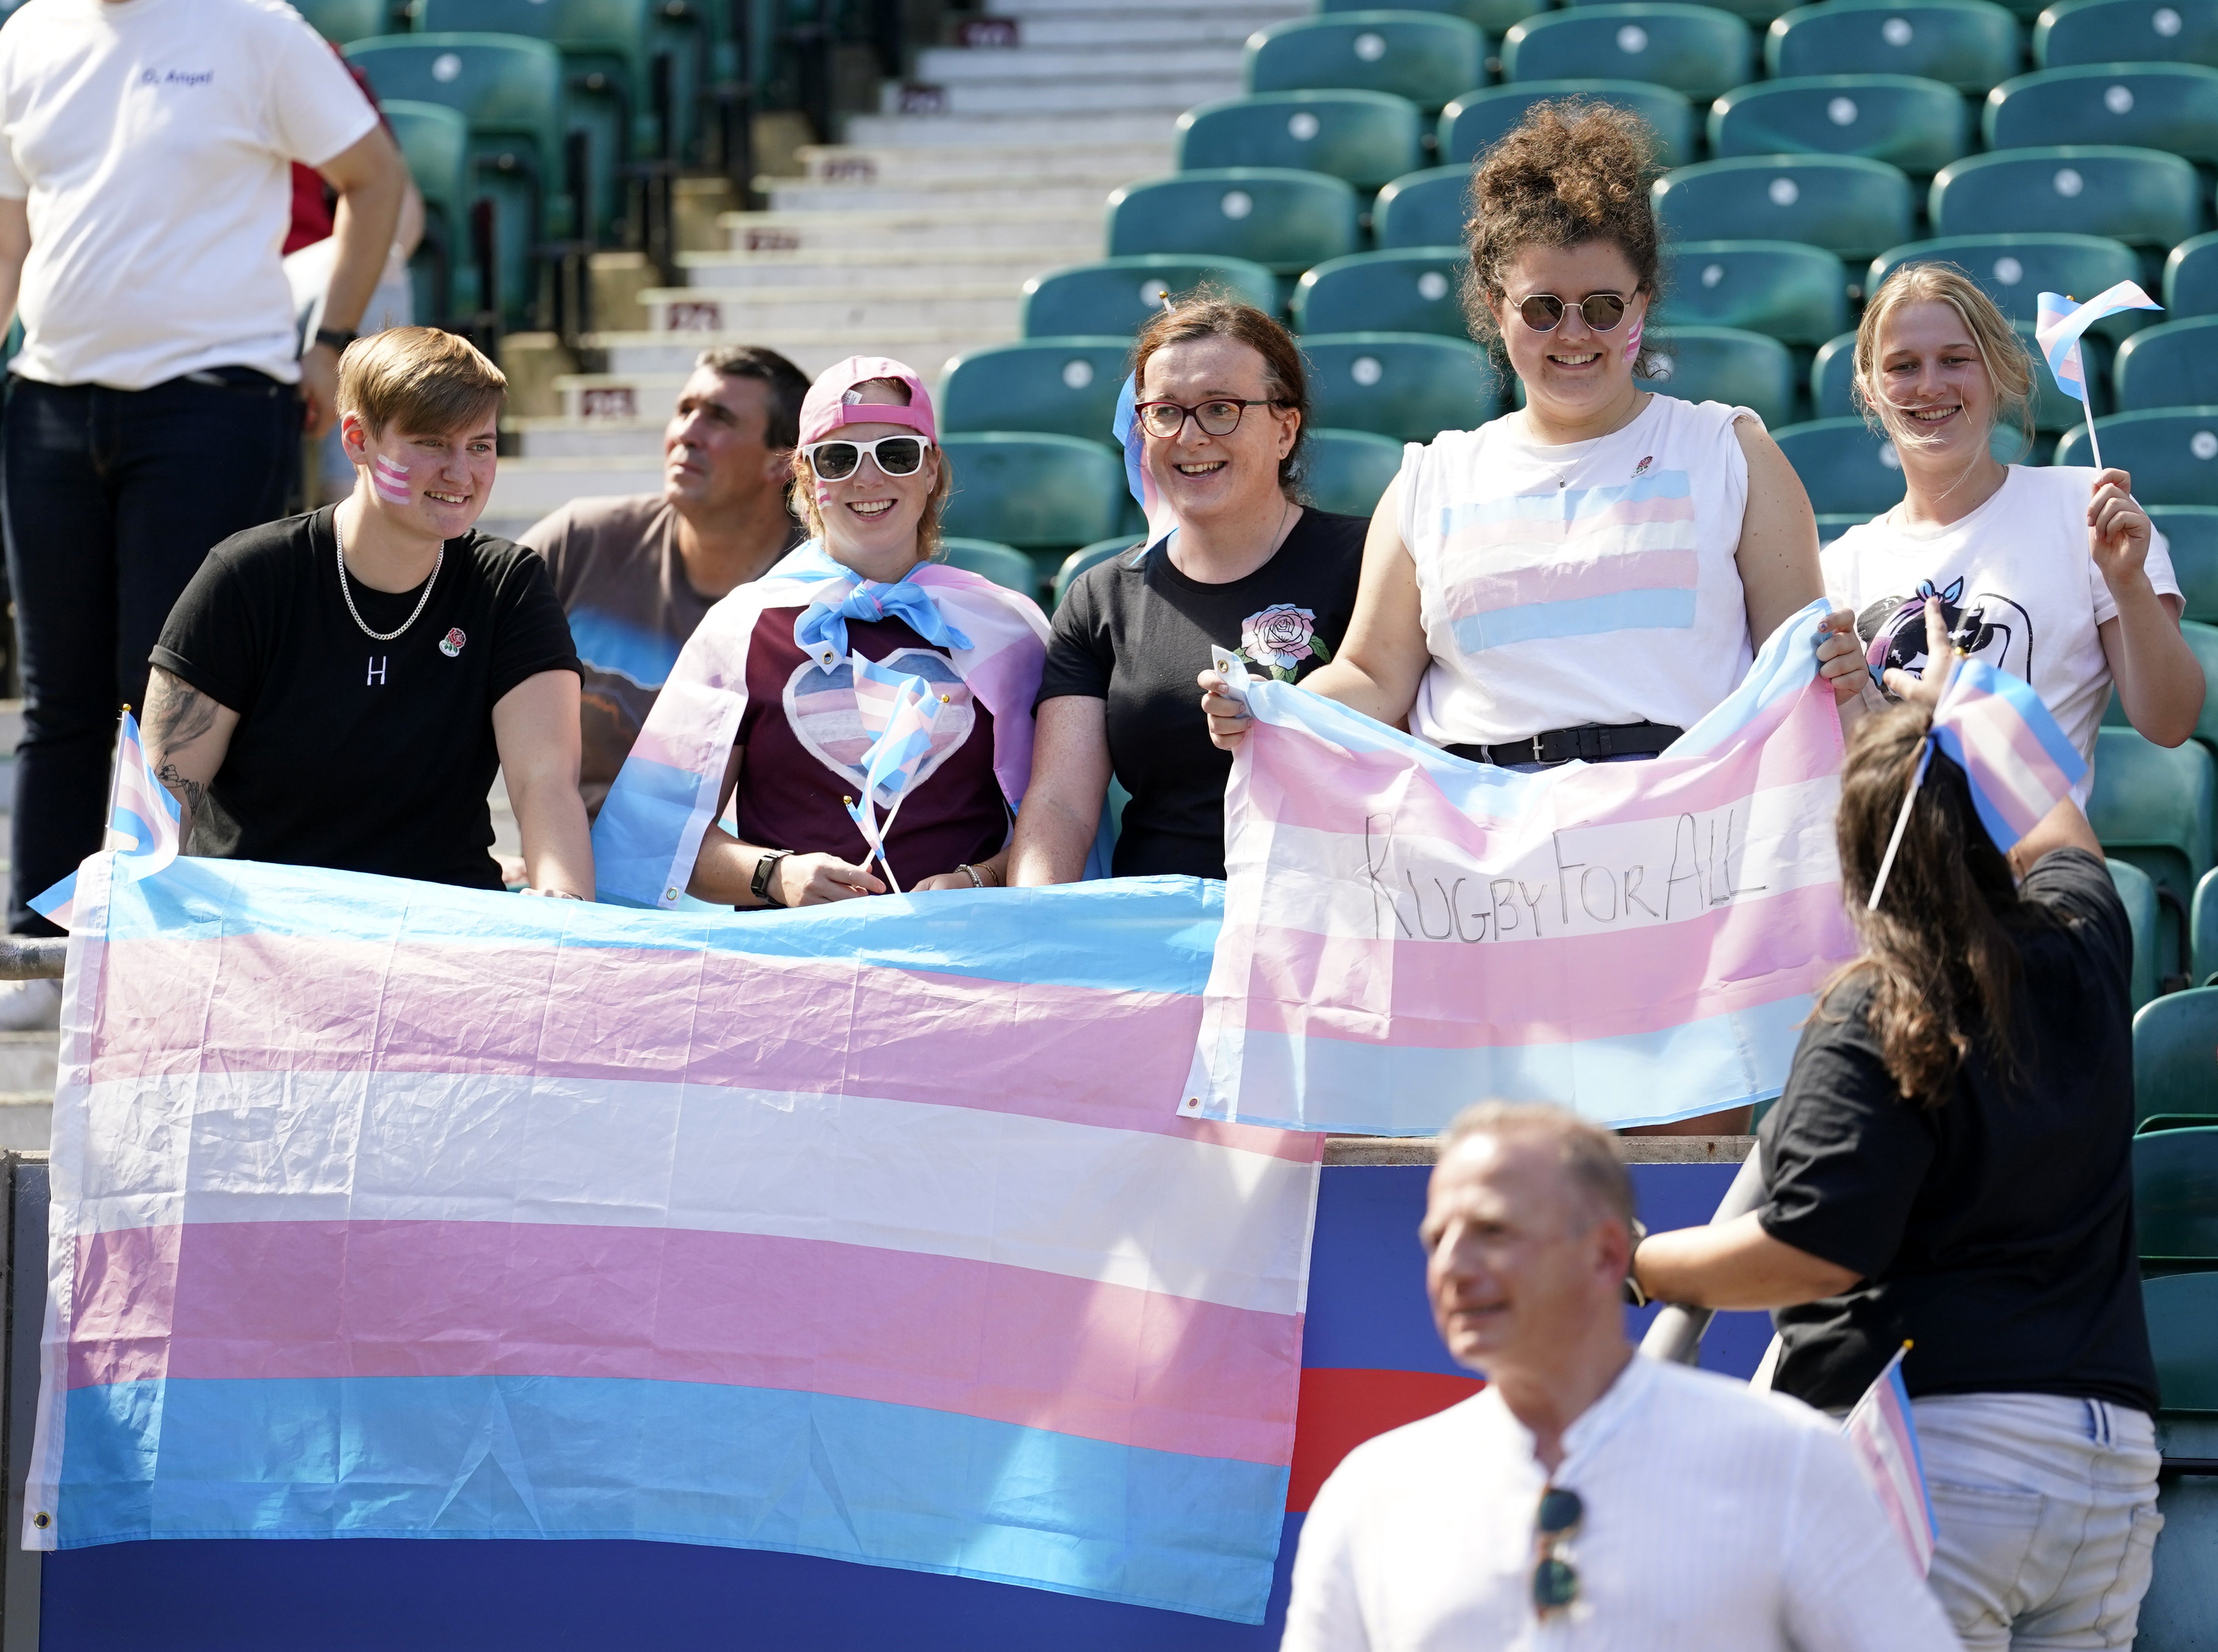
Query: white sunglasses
[895,455]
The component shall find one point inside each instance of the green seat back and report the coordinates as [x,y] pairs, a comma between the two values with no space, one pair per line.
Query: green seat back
[2173,452]
[615,30]
[1967,44]
[1919,125]
[2191,276]
[2139,197]
[2176,1184]
[2182,1309]
[1422,209]
[1364,137]
[1085,557]
[1118,296]
[1345,471]
[1843,466]
[2176,1055]
[1066,386]
[2191,531]
[2202,640]
[1726,364]
[1033,491]
[1413,289]
[1752,11]
[1492,15]
[345,21]
[434,141]
[1797,294]
[1426,57]
[2202,917]
[2174,364]
[1844,204]
[1274,216]
[2127,31]
[2172,107]
[1833,370]
[1698,50]
[1004,565]
[502,85]
[1472,122]
[1407,386]
[2014,270]
[2154,806]
[2137,891]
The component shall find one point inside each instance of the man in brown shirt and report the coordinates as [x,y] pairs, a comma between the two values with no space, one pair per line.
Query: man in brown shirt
[636,574]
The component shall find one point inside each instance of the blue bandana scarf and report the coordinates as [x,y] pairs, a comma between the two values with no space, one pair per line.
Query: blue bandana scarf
[821,630]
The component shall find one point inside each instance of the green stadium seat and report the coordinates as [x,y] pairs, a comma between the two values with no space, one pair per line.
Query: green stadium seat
[2172,107]
[1700,51]
[1366,138]
[2154,806]
[1843,465]
[434,141]
[1745,369]
[2191,531]
[2182,1311]
[1475,120]
[1084,558]
[2174,364]
[2138,892]
[1843,203]
[1412,289]
[1967,44]
[1422,209]
[1066,386]
[2014,270]
[1758,12]
[1005,565]
[2176,1189]
[1834,368]
[2202,945]
[2176,1055]
[345,21]
[1426,57]
[1345,471]
[1797,294]
[2191,277]
[1919,125]
[1274,216]
[1121,295]
[2139,197]
[1831,525]
[1492,15]
[2127,31]
[2174,452]
[1407,386]
[1032,490]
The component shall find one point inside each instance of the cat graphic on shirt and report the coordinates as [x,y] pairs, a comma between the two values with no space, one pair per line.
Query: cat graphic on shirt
[1986,625]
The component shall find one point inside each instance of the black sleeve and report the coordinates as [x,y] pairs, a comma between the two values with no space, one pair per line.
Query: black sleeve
[1079,655]
[2076,886]
[533,635]
[1844,1154]
[216,637]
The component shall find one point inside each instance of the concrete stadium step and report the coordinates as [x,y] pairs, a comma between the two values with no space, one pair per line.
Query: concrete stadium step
[1076,92]
[630,439]
[833,271]
[26,1063]
[525,489]
[941,197]
[925,348]
[919,131]
[746,312]
[614,398]
[1165,31]
[911,230]
[26,1121]
[953,66]
[1002,164]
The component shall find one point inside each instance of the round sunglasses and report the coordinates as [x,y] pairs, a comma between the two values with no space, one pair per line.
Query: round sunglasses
[1219,416]
[895,455]
[1544,311]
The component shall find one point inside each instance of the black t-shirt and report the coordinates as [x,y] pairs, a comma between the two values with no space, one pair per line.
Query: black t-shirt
[351,753]
[1136,632]
[1995,1232]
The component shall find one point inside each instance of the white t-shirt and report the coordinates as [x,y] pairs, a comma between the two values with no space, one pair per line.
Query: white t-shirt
[1590,583]
[2018,567]
[1715,1520]
[153,139]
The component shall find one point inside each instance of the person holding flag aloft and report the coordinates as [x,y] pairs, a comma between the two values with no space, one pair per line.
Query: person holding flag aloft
[2053,574]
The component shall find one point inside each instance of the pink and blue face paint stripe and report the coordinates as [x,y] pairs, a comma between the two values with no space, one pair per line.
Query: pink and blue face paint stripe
[144,824]
[2058,330]
[390,480]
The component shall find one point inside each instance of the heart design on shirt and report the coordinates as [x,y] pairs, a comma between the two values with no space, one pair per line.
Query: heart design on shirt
[820,706]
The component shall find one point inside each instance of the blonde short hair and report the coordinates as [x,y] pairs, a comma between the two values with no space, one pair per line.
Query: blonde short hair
[425,382]
[2009,367]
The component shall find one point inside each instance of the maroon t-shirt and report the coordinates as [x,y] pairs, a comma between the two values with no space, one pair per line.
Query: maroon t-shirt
[805,742]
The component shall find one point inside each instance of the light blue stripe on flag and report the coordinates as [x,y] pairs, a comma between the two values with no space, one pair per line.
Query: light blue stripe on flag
[1579,617]
[2032,710]
[644,814]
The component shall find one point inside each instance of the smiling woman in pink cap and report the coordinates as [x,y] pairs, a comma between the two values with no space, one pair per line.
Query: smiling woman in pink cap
[750,784]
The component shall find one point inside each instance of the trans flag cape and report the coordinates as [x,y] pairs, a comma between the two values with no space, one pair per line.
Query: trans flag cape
[1406,932]
[651,825]
[386,1209]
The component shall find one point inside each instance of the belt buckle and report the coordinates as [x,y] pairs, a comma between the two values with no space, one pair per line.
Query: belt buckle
[1537,758]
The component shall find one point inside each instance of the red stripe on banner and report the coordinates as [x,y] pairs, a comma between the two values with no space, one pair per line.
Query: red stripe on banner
[1341,1409]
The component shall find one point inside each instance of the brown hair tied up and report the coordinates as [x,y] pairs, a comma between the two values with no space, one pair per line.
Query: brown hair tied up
[1571,172]
[1208,312]
[1939,953]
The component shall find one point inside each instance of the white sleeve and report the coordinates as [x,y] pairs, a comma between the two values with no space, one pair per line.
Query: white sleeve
[1324,1613]
[14,186]
[2159,566]
[315,110]
[1848,1582]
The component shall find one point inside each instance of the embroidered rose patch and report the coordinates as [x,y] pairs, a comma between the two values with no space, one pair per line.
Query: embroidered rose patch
[1281,638]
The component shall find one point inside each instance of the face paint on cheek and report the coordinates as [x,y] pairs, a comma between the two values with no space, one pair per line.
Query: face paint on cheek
[390,480]
[1633,340]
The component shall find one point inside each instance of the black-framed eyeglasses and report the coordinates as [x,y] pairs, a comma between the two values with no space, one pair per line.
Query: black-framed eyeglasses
[895,455]
[1219,415]
[1544,311]
[1555,1580]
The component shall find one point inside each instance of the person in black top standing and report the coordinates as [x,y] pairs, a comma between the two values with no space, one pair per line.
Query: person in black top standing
[1950,1166]
[1223,400]
[339,689]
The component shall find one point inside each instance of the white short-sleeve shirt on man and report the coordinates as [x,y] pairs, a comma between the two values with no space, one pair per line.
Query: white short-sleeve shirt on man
[2018,568]
[1715,1520]
[153,140]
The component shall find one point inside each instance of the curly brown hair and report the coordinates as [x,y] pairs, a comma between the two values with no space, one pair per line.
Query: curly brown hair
[1571,172]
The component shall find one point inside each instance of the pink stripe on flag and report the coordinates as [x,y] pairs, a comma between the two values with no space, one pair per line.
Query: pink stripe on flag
[247,1301]
[2005,751]
[1564,582]
[1558,530]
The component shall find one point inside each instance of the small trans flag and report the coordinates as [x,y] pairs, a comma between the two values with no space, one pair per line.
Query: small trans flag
[1884,1436]
[2057,330]
[1132,440]
[899,711]
[143,824]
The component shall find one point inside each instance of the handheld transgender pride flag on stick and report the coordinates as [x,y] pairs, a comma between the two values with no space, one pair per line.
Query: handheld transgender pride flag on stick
[899,711]
[1129,437]
[143,823]
[1884,1436]
[2057,328]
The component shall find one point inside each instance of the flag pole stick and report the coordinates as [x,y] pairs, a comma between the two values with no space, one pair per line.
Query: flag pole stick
[115,784]
[1901,824]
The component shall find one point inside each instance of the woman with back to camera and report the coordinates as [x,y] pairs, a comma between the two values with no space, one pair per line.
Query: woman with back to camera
[1951,1165]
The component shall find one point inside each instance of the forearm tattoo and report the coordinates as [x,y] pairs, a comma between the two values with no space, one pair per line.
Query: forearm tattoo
[178,714]
[187,791]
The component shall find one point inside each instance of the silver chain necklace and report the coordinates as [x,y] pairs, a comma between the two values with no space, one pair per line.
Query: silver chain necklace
[347,591]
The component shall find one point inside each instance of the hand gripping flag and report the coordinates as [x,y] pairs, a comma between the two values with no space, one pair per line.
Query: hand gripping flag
[2058,330]
[142,825]
[1129,437]
[899,711]
[1884,1436]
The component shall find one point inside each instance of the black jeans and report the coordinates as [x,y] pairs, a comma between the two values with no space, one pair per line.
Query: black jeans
[109,499]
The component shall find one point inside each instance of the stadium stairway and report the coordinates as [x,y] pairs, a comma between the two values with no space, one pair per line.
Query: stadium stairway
[26,1059]
[913,237]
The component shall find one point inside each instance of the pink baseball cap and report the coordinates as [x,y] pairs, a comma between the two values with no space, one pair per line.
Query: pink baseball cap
[835,399]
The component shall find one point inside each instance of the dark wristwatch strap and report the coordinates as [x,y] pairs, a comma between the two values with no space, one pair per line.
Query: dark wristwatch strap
[758,886]
[338,338]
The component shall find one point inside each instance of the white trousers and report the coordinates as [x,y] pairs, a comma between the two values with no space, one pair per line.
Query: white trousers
[2047,1511]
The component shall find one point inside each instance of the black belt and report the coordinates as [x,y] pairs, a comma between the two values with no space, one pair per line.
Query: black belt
[1588,741]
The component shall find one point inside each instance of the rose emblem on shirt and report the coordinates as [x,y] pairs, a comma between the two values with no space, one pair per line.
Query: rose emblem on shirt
[451,643]
[1281,638]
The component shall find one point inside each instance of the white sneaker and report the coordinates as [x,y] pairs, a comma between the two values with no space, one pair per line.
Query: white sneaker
[30,1005]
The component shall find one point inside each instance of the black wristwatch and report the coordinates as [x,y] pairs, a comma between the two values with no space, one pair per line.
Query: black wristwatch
[758,886]
[338,338]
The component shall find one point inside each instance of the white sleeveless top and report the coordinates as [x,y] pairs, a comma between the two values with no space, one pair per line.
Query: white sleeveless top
[1590,583]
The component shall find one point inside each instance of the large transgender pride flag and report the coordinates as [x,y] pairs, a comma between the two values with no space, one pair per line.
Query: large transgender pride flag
[869,1231]
[1406,932]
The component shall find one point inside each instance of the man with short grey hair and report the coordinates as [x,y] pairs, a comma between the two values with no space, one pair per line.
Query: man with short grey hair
[1587,1498]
